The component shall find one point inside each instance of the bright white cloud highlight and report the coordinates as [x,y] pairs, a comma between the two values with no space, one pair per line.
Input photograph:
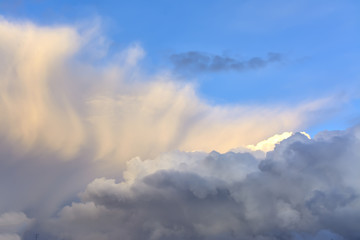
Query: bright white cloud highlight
[270,143]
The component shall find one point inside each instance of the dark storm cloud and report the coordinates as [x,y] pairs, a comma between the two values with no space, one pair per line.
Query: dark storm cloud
[306,189]
[199,62]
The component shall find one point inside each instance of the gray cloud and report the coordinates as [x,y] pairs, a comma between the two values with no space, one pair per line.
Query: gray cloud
[12,225]
[306,189]
[199,62]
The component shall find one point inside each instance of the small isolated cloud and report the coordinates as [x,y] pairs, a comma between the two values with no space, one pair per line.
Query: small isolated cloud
[200,62]
[306,189]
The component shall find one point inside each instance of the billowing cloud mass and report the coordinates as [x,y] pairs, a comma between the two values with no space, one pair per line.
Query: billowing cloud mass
[199,62]
[159,153]
[304,189]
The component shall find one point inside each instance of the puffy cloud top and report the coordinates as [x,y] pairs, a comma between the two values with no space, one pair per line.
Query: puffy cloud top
[304,189]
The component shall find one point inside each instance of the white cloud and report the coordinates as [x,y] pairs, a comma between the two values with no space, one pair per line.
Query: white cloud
[270,143]
[32,112]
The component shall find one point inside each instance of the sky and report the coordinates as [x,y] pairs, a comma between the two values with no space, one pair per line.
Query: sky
[179,120]
[316,43]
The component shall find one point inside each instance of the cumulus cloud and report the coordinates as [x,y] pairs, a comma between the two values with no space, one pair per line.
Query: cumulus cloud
[200,62]
[269,144]
[304,189]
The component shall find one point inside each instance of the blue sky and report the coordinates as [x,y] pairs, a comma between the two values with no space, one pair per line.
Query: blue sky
[317,40]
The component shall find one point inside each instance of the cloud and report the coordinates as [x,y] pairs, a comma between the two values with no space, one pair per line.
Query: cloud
[31,112]
[270,143]
[13,224]
[55,101]
[199,62]
[65,121]
[304,189]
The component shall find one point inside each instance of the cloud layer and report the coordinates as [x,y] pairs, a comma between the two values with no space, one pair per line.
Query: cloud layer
[65,121]
[304,189]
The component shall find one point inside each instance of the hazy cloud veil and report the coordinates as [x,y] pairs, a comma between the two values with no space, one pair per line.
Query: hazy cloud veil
[109,152]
